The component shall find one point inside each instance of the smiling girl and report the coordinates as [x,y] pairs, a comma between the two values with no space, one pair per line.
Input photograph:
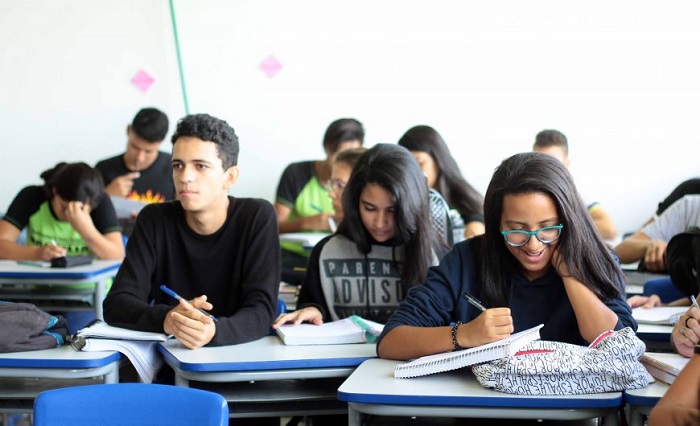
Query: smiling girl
[539,262]
[383,246]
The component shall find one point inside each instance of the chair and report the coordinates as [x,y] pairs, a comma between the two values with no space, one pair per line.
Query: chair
[129,404]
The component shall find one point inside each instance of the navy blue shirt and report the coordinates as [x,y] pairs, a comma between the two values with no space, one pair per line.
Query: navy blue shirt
[438,301]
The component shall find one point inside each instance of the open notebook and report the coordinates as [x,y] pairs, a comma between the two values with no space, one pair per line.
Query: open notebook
[138,346]
[453,360]
[666,315]
[663,366]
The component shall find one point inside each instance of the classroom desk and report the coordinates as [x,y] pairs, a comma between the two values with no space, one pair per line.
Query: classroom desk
[23,375]
[641,401]
[266,377]
[656,337]
[16,281]
[372,389]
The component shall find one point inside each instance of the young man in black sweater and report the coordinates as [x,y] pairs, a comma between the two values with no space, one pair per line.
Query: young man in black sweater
[219,252]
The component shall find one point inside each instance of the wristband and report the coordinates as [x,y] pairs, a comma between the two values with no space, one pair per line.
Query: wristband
[455,344]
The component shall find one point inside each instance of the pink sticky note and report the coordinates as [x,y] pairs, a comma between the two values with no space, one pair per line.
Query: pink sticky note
[142,80]
[270,66]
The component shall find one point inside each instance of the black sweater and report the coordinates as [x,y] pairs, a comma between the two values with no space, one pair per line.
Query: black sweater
[237,267]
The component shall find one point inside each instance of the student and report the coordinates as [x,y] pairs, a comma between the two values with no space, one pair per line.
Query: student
[554,143]
[383,246]
[343,163]
[217,251]
[688,187]
[143,172]
[302,194]
[303,202]
[444,176]
[680,405]
[686,332]
[69,215]
[540,261]
[649,243]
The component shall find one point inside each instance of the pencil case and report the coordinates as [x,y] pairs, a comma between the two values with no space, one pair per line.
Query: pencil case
[69,261]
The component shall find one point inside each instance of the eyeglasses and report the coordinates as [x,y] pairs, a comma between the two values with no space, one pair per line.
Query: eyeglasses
[338,185]
[520,237]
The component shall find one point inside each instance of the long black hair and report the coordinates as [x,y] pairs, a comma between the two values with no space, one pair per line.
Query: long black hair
[451,184]
[587,257]
[394,169]
[74,182]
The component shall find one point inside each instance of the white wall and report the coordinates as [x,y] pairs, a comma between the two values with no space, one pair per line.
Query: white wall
[620,79]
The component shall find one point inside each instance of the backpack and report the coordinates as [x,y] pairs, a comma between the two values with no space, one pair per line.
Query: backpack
[448,222]
[683,261]
[26,328]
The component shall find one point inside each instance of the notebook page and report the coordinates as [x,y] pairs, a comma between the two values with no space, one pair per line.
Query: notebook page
[453,360]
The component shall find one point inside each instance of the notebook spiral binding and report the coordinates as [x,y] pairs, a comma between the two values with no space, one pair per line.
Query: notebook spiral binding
[77,342]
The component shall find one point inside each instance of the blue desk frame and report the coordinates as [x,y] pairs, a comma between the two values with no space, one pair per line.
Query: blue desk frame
[372,389]
[269,373]
[58,367]
[96,273]
[641,401]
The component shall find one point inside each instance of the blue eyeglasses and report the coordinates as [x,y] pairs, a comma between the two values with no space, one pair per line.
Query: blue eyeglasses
[520,237]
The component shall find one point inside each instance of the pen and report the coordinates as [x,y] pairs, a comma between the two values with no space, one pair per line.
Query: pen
[695,302]
[317,208]
[474,301]
[177,297]
[53,242]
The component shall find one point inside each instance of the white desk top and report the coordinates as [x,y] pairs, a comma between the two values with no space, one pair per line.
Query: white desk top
[12,269]
[268,353]
[648,396]
[373,382]
[61,357]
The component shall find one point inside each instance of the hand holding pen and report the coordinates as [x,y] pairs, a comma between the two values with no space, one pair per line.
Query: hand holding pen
[51,251]
[177,297]
[490,325]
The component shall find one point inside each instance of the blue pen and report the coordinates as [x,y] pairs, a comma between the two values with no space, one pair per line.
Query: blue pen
[317,208]
[177,297]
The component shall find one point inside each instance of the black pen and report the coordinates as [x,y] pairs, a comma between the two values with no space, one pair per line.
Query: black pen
[474,301]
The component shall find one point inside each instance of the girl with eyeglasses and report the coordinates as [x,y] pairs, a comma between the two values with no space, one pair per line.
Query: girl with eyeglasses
[540,261]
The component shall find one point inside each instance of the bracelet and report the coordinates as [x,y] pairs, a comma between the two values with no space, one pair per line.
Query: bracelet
[455,344]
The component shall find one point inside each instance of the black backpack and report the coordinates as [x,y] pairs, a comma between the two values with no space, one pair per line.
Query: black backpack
[683,261]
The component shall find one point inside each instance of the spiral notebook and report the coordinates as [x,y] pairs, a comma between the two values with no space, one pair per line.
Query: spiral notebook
[453,360]
[664,366]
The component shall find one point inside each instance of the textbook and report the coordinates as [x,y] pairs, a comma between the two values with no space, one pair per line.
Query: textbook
[454,360]
[353,329]
[666,315]
[138,346]
[664,366]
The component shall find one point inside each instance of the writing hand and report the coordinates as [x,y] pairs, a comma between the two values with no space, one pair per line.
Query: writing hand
[308,314]
[491,325]
[121,186]
[317,222]
[51,251]
[686,332]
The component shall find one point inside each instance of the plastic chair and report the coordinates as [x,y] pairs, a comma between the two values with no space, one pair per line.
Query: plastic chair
[664,288]
[129,404]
